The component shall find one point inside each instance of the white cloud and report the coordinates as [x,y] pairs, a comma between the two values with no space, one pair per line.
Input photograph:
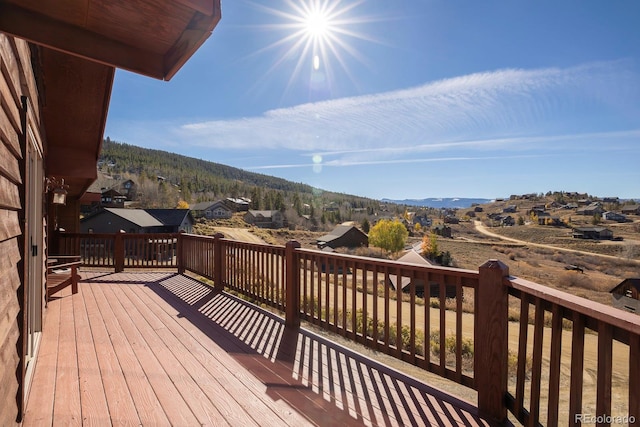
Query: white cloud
[501,109]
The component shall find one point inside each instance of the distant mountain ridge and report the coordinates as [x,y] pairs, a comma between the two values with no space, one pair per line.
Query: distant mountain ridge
[440,202]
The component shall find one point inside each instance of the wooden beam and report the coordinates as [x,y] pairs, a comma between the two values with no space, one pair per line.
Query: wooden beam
[192,38]
[43,30]
[203,6]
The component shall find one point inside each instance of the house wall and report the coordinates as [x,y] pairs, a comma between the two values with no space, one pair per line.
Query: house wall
[625,303]
[16,80]
[106,222]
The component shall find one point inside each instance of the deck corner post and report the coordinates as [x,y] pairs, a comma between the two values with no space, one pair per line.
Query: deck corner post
[292,285]
[218,262]
[180,252]
[491,340]
[118,252]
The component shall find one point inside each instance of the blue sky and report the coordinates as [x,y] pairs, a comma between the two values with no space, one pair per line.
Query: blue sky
[406,98]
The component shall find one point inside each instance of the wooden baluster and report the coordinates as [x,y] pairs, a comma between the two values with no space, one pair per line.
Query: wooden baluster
[554,368]
[603,401]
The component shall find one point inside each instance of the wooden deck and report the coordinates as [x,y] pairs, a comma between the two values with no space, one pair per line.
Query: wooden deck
[164,349]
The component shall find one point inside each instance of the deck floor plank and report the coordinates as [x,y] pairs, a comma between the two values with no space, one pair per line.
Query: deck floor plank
[149,380]
[182,370]
[159,348]
[226,367]
[95,410]
[122,408]
[274,372]
[41,399]
[138,374]
[200,389]
[67,407]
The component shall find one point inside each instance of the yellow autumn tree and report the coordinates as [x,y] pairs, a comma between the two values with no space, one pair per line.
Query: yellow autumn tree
[388,235]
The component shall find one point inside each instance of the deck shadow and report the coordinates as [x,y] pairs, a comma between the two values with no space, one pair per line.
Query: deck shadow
[324,382]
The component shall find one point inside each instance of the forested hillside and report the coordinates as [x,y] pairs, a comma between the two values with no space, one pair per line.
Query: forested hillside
[166,178]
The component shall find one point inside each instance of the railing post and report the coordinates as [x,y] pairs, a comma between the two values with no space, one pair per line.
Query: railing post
[180,252]
[218,262]
[491,340]
[118,252]
[292,285]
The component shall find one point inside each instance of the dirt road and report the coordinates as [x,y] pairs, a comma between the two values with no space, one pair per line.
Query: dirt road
[240,234]
[483,230]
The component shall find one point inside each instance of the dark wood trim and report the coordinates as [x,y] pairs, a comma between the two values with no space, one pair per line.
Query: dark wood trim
[22,266]
[76,41]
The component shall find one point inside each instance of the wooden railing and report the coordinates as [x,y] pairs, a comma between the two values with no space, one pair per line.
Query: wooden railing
[457,323]
[121,250]
[362,299]
[254,270]
[572,326]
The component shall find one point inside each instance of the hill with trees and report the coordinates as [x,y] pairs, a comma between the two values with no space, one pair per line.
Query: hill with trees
[165,179]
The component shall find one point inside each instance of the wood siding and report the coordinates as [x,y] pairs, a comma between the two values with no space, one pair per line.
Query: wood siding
[16,80]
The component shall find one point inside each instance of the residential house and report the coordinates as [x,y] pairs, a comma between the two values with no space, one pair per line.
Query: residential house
[413,257]
[626,295]
[128,188]
[57,67]
[90,202]
[614,216]
[173,220]
[590,209]
[421,217]
[507,221]
[547,219]
[450,219]
[112,199]
[265,219]
[510,209]
[344,236]
[239,204]
[595,233]
[114,220]
[442,230]
[631,209]
[212,210]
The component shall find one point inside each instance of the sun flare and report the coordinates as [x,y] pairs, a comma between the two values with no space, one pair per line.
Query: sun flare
[317,24]
[319,35]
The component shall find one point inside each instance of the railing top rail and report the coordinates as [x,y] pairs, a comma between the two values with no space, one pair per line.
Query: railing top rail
[603,313]
[112,235]
[232,241]
[399,264]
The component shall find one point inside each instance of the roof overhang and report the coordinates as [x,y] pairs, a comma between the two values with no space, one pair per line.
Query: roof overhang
[154,38]
[75,103]
[80,43]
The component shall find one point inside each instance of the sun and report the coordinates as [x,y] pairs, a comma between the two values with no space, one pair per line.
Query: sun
[317,24]
[320,35]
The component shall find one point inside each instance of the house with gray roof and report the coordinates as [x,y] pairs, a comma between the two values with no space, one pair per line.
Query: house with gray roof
[116,220]
[173,220]
[631,209]
[344,236]
[265,219]
[626,295]
[212,210]
[413,257]
[595,233]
